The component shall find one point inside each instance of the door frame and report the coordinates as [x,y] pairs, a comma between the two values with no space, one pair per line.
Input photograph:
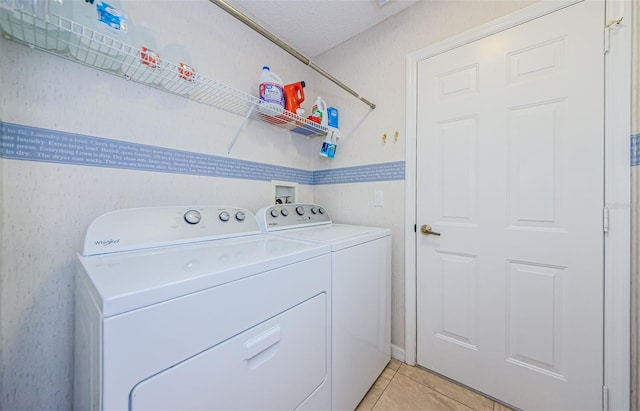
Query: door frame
[617,201]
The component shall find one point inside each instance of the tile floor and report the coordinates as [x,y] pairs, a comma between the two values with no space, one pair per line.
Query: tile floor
[402,387]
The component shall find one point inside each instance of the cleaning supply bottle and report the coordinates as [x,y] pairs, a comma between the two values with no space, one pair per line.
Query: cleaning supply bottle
[271,93]
[293,96]
[332,117]
[326,144]
[330,144]
[103,19]
[331,152]
[319,112]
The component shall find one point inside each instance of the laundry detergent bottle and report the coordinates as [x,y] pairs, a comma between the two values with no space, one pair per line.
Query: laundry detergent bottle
[294,96]
[271,93]
[319,112]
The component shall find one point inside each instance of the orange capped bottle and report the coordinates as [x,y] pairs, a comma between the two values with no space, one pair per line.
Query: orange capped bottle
[294,96]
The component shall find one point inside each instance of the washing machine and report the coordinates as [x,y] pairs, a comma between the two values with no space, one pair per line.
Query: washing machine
[361,299]
[193,308]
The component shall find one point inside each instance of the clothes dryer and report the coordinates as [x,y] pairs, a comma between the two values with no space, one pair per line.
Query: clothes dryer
[361,293]
[192,308]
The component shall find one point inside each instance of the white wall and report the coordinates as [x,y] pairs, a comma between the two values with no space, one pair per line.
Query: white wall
[373,64]
[45,207]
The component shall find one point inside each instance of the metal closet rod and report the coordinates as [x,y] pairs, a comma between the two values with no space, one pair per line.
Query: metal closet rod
[255,26]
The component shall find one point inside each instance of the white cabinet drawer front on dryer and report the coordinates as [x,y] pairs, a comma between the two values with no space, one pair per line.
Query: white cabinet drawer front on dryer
[284,355]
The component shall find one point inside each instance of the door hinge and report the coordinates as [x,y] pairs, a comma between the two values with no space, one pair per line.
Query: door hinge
[415,228]
[605,219]
[605,398]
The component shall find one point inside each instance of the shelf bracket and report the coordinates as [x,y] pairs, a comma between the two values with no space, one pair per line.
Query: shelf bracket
[240,128]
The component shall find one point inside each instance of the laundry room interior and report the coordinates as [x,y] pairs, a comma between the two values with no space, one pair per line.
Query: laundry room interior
[79,142]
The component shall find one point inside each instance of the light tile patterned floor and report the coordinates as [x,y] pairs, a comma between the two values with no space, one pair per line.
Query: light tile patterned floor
[402,387]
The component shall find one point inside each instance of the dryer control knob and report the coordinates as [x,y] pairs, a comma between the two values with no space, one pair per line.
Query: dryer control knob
[321,210]
[240,216]
[314,210]
[224,216]
[192,217]
[300,210]
[274,213]
[284,212]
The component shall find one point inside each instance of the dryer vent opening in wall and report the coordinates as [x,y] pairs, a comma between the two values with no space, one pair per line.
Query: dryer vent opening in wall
[283,192]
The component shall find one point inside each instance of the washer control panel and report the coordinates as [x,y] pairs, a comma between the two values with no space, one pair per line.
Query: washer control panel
[283,216]
[139,228]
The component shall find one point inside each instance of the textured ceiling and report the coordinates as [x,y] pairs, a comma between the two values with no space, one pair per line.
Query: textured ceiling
[314,26]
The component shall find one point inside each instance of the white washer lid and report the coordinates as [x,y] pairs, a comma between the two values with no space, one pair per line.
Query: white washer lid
[129,280]
[340,236]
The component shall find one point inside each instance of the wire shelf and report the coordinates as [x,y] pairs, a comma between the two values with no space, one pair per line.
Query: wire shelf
[73,41]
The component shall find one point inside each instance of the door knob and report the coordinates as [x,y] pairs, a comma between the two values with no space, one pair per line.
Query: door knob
[426,230]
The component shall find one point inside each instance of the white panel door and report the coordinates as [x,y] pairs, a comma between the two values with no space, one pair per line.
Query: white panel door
[510,172]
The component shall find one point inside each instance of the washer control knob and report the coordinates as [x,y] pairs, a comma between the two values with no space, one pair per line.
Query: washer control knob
[314,210]
[240,216]
[274,213]
[284,212]
[300,210]
[192,216]
[224,216]
[321,210]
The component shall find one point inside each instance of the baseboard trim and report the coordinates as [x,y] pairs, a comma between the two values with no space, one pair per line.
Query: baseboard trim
[397,353]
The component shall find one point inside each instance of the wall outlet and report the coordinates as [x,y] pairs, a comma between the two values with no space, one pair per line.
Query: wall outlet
[378,198]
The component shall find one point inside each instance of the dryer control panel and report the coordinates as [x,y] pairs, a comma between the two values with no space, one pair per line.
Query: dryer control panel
[139,228]
[284,216]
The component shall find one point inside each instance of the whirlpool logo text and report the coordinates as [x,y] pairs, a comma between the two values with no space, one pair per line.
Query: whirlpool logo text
[105,243]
